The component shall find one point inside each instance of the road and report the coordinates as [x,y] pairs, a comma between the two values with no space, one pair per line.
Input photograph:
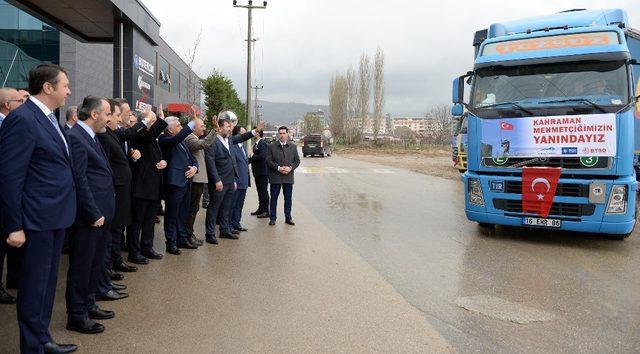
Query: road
[381,260]
[576,292]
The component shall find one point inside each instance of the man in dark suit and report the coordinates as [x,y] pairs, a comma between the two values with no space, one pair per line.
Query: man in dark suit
[260,172]
[147,191]
[243,181]
[112,141]
[182,166]
[72,118]
[282,160]
[9,100]
[222,171]
[96,208]
[37,208]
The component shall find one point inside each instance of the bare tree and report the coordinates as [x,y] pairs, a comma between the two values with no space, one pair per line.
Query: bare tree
[443,121]
[192,79]
[352,124]
[338,106]
[378,92]
[364,90]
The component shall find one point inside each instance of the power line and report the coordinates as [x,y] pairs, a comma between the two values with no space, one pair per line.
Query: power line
[250,7]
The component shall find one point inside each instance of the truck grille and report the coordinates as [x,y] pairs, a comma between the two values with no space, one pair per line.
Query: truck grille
[563,189]
[563,162]
[557,209]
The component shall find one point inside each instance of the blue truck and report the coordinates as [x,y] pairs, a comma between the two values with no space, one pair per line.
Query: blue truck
[556,92]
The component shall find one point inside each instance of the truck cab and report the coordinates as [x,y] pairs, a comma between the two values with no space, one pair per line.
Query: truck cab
[559,92]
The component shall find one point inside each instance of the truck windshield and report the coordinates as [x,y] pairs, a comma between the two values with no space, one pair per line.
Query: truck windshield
[550,89]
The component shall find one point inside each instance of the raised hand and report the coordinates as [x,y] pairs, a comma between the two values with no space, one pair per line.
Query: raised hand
[160,112]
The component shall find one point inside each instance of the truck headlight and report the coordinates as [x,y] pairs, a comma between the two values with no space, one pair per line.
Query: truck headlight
[475,192]
[617,200]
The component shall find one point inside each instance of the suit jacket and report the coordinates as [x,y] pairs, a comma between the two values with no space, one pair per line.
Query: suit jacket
[282,156]
[197,147]
[147,179]
[221,164]
[258,160]
[37,189]
[118,159]
[178,157]
[94,179]
[242,163]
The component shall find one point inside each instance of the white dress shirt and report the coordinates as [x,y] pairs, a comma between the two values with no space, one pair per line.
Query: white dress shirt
[48,112]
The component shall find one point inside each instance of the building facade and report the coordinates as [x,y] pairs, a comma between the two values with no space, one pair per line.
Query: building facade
[116,52]
[420,126]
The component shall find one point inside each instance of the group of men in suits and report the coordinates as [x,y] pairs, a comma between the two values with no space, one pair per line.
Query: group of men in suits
[101,176]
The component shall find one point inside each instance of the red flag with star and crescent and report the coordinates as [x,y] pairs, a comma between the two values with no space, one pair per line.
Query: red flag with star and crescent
[538,189]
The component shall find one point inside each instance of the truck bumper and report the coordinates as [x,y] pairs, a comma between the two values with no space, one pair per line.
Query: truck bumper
[580,226]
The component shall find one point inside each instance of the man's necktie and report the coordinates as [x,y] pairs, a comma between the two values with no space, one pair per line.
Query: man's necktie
[54,121]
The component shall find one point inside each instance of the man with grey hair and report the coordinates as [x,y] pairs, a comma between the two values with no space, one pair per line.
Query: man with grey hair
[10,99]
[72,117]
[197,147]
[177,184]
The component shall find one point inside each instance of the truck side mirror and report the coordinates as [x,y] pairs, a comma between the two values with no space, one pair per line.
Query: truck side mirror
[457,110]
[634,62]
[458,90]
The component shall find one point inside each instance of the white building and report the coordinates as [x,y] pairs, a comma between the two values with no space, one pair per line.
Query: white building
[420,126]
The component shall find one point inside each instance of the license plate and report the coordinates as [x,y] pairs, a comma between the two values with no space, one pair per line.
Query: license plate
[542,222]
[312,145]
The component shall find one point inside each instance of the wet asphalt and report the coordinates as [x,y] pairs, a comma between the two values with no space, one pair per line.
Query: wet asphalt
[381,260]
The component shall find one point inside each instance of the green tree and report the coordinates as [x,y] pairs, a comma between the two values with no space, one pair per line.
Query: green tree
[220,95]
[312,124]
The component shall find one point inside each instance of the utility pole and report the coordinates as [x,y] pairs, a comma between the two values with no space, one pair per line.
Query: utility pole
[255,104]
[250,41]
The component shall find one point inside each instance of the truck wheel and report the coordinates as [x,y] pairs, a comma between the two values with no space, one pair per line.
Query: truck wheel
[487,226]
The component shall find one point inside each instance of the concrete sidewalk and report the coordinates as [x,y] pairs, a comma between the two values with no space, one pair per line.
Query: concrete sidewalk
[277,289]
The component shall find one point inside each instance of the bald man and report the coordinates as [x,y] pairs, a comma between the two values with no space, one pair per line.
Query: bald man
[10,99]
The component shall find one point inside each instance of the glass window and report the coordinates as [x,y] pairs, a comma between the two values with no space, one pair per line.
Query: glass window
[25,42]
[164,73]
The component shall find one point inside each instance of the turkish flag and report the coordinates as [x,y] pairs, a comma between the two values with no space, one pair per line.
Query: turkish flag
[506,126]
[538,189]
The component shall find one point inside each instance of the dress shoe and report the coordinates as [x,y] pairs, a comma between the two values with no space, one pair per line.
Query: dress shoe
[257,212]
[118,287]
[112,295]
[263,216]
[173,250]
[212,240]
[241,229]
[86,326]
[117,277]
[290,222]
[97,313]
[196,241]
[235,232]
[187,245]
[124,267]
[5,297]
[55,348]
[229,236]
[272,222]
[152,254]
[138,260]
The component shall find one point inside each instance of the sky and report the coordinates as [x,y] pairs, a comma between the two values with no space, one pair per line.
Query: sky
[302,43]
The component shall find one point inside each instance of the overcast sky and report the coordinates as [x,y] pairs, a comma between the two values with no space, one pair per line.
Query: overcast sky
[303,42]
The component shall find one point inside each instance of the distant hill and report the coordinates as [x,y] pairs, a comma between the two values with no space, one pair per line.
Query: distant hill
[286,113]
